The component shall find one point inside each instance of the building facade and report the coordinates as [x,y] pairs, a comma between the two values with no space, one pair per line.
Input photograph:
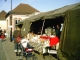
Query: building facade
[3,20]
[21,12]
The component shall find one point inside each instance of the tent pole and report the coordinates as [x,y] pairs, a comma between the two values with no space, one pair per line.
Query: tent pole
[42,27]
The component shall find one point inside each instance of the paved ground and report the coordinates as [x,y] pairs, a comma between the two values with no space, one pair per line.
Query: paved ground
[2,54]
[7,52]
[8,48]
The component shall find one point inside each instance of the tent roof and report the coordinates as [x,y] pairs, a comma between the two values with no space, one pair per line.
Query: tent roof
[61,11]
[26,23]
[35,17]
[39,16]
[51,14]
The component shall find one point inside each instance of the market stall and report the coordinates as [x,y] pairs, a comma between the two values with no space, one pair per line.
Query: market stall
[44,34]
[40,42]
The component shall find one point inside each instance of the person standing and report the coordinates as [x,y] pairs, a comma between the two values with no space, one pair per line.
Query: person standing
[0,32]
[17,33]
[5,33]
[58,31]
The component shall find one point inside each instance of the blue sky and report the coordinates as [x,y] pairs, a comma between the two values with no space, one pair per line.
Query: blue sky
[41,5]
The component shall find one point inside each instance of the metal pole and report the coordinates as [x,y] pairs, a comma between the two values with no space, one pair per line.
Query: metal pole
[42,27]
[11,23]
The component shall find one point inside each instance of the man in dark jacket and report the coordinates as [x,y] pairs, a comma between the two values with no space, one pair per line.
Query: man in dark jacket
[58,31]
[16,34]
[0,32]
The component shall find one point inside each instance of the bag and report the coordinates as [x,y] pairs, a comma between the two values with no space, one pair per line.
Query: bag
[18,39]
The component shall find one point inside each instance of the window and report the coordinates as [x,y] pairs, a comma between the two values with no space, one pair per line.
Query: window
[17,21]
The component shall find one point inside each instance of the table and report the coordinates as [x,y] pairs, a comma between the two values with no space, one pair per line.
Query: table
[53,40]
[48,42]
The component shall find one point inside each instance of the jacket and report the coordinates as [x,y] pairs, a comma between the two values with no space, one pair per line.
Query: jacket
[15,35]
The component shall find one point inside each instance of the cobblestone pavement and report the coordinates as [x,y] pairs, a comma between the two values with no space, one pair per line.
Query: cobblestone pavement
[8,48]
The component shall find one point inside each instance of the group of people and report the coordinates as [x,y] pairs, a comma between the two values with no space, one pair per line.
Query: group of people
[2,33]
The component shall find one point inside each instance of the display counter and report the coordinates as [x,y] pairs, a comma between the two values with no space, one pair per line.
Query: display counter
[44,41]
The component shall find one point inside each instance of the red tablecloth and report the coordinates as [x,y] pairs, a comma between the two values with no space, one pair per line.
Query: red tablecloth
[44,37]
[53,40]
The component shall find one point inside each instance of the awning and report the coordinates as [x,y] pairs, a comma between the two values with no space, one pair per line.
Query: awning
[39,16]
[25,28]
